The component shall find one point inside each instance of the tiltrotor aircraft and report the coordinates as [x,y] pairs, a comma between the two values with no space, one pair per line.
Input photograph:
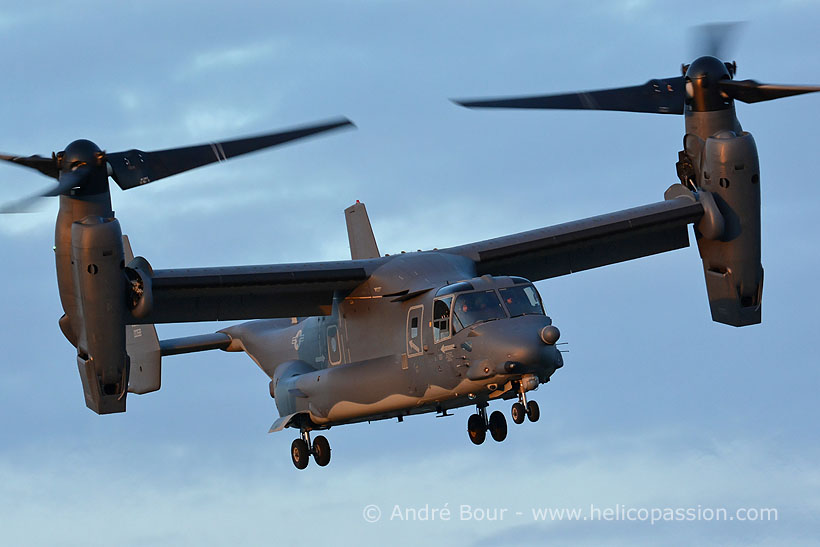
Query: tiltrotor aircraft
[378,337]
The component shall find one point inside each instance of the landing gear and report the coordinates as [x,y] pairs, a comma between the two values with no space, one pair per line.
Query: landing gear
[300,453]
[524,408]
[301,450]
[518,413]
[533,413]
[498,426]
[477,427]
[321,451]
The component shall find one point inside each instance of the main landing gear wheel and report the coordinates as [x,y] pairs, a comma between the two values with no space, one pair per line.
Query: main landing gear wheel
[477,428]
[300,453]
[321,451]
[498,426]
[533,412]
[518,413]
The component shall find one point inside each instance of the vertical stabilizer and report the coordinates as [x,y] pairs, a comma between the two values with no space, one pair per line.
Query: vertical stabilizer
[360,233]
[142,345]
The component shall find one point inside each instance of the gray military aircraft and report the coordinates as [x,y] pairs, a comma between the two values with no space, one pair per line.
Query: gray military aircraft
[378,337]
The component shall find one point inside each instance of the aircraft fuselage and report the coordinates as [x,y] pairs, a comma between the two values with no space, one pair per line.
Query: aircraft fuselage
[398,345]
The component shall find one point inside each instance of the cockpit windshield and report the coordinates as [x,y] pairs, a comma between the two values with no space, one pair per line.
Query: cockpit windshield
[521,300]
[473,307]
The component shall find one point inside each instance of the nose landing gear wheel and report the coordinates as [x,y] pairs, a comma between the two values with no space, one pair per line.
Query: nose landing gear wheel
[300,453]
[533,412]
[498,426]
[518,413]
[476,428]
[321,451]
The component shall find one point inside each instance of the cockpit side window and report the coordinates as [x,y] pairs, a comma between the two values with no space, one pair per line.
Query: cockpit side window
[521,300]
[474,307]
[441,318]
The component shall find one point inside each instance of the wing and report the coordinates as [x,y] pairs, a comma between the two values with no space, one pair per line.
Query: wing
[252,292]
[588,243]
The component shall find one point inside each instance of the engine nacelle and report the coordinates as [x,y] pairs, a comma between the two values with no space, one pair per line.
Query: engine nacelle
[140,295]
[730,171]
[100,290]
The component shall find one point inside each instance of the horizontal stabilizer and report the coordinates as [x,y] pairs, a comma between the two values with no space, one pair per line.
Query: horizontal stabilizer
[193,344]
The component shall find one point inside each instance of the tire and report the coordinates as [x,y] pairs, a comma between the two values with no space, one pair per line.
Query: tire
[498,426]
[476,429]
[518,413]
[321,451]
[533,412]
[300,453]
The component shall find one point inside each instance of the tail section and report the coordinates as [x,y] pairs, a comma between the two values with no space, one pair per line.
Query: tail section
[360,233]
[142,346]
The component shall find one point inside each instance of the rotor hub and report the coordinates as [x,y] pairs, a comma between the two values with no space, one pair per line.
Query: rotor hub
[703,77]
[83,163]
[81,151]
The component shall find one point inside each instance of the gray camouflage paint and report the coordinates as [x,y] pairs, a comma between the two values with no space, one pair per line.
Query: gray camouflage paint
[348,367]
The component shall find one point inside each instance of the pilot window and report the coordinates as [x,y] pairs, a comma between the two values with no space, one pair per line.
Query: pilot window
[475,307]
[441,319]
[414,327]
[521,300]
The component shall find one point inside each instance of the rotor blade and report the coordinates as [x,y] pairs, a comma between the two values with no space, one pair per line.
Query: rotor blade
[750,91]
[46,166]
[23,206]
[66,182]
[664,96]
[716,39]
[135,167]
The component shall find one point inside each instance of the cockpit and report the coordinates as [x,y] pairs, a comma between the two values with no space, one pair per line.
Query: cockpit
[460,305]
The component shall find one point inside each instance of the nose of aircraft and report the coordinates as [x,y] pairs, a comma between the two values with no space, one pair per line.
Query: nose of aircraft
[519,345]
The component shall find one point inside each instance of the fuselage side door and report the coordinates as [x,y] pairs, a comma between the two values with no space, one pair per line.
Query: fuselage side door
[415,343]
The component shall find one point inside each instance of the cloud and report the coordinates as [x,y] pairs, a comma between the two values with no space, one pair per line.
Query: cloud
[175,492]
[220,59]
[18,225]
[216,120]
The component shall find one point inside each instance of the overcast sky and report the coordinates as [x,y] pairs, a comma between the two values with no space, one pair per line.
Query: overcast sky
[656,407]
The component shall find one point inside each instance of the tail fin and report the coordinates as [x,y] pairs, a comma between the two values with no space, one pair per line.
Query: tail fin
[142,346]
[360,233]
